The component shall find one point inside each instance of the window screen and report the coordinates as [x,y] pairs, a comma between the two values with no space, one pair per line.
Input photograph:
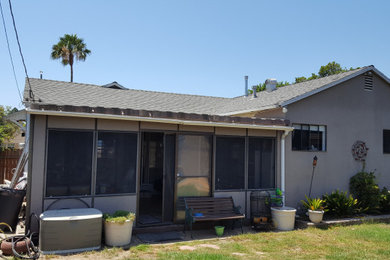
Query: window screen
[386,141]
[309,137]
[261,165]
[230,163]
[69,163]
[116,163]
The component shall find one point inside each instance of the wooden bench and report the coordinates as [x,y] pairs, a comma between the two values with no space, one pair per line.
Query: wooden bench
[211,209]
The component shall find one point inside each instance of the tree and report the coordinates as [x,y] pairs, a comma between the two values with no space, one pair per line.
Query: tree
[313,76]
[69,48]
[326,70]
[7,128]
[330,69]
[300,79]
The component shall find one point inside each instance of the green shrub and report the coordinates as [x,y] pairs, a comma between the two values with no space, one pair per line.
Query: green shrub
[384,202]
[339,204]
[365,189]
[119,216]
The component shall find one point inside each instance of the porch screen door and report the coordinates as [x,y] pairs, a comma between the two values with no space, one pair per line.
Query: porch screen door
[193,175]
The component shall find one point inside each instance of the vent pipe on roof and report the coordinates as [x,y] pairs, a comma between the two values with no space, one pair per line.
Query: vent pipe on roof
[246,86]
[270,85]
[41,74]
[254,88]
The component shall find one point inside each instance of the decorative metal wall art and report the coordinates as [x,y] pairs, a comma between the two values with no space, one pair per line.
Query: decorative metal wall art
[359,151]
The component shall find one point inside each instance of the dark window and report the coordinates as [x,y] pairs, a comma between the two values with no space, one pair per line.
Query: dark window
[230,163]
[386,141]
[116,163]
[69,163]
[309,138]
[261,165]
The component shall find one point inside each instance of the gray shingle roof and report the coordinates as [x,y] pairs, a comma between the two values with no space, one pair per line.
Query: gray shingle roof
[76,94]
[266,100]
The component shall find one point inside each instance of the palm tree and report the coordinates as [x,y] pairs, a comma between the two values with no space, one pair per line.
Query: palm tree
[68,48]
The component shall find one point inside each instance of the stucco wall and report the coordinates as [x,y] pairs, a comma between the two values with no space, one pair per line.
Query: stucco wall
[350,113]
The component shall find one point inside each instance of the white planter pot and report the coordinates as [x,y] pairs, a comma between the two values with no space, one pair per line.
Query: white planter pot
[118,234]
[283,218]
[316,216]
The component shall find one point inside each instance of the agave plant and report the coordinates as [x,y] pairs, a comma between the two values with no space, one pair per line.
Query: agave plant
[315,204]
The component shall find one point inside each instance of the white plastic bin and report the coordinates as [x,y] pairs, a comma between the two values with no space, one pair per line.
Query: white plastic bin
[283,218]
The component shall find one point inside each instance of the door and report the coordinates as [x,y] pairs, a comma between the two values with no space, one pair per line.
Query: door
[193,175]
[169,177]
[151,179]
[157,182]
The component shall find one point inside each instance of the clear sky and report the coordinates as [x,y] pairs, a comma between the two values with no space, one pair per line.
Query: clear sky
[195,47]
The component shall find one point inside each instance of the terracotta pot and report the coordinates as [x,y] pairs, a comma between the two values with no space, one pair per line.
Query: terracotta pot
[316,216]
[20,246]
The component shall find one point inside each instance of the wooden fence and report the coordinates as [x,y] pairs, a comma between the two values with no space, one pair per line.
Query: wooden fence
[8,161]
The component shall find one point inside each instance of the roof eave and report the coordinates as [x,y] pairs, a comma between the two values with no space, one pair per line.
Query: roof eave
[249,110]
[160,120]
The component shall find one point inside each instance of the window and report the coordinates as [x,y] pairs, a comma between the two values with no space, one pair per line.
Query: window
[69,163]
[309,137]
[116,163]
[230,163]
[386,141]
[261,164]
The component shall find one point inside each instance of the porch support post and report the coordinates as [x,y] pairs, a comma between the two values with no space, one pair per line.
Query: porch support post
[283,165]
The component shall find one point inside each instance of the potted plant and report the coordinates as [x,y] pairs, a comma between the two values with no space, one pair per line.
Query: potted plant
[118,228]
[315,209]
[277,198]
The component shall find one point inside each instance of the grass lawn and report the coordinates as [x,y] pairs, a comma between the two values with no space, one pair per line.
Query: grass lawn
[365,241]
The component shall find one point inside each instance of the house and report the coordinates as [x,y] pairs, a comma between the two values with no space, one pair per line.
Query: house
[115,148]
[17,142]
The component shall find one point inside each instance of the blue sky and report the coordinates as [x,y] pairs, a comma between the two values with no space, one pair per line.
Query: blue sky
[195,47]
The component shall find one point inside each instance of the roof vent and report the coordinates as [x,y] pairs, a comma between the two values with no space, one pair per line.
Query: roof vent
[270,85]
[114,85]
[368,81]
[254,88]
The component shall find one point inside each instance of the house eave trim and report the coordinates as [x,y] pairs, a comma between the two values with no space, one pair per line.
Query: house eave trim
[249,111]
[158,120]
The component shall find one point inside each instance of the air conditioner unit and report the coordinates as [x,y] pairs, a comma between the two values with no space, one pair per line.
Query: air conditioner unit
[66,231]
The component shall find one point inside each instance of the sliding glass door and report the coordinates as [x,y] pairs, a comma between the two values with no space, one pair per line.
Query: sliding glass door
[193,175]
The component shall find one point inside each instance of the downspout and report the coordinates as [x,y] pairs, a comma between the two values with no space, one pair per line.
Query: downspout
[283,165]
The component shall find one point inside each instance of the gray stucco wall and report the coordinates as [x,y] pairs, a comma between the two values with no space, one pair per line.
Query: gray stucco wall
[350,113]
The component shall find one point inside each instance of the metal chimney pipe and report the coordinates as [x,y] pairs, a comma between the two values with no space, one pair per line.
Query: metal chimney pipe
[41,74]
[246,86]
[254,88]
